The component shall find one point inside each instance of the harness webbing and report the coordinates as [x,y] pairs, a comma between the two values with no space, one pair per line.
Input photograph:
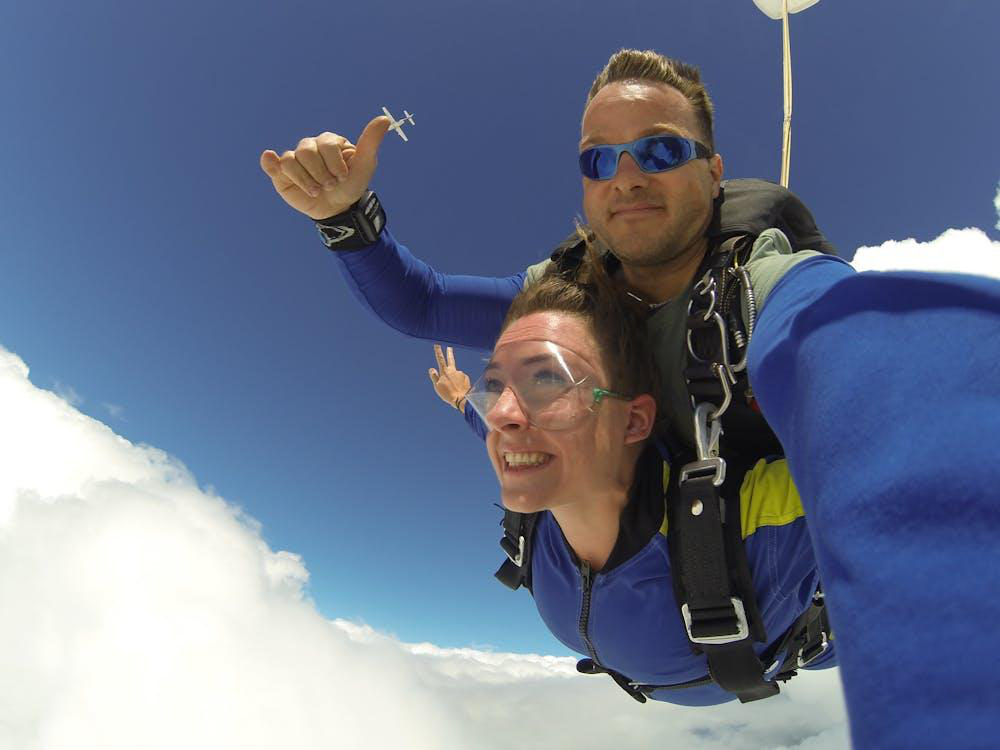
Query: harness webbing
[711,577]
[710,572]
[518,533]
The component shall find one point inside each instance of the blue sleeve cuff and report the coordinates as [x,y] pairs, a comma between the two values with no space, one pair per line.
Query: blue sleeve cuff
[475,423]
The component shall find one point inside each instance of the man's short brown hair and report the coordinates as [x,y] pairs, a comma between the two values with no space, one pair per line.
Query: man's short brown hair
[647,65]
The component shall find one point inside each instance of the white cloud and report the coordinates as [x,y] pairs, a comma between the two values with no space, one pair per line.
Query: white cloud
[996,205]
[140,610]
[956,250]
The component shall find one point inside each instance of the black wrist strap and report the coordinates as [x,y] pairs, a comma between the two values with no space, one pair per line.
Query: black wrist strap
[357,227]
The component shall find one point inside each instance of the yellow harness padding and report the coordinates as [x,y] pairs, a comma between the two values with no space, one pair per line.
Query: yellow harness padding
[768,497]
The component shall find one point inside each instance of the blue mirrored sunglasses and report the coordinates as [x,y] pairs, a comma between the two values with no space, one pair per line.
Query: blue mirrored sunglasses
[655,153]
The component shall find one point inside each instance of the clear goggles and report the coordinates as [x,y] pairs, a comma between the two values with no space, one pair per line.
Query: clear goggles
[655,153]
[553,386]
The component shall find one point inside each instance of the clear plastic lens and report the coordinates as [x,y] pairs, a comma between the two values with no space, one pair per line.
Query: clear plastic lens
[537,377]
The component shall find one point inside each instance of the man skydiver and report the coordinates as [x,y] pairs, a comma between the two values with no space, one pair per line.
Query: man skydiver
[653,218]
[878,386]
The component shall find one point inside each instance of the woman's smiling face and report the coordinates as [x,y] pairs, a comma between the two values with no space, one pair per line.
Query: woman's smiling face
[541,469]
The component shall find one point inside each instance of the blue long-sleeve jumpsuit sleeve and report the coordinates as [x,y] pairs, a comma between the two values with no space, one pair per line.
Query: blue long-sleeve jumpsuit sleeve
[884,390]
[407,294]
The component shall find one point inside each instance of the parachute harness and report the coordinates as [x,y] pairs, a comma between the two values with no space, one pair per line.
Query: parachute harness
[712,575]
[712,582]
[710,571]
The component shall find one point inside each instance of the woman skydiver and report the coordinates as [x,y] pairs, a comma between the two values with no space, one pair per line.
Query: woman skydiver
[567,405]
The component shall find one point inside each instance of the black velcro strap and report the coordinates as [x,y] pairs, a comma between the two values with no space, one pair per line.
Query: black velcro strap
[356,228]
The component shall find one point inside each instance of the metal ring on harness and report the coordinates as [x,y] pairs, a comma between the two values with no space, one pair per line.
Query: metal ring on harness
[723,338]
[726,377]
[707,431]
[706,286]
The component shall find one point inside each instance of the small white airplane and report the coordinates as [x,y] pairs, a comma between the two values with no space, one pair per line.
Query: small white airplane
[397,125]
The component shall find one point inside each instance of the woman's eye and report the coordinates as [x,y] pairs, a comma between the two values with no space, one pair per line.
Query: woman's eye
[494,385]
[549,377]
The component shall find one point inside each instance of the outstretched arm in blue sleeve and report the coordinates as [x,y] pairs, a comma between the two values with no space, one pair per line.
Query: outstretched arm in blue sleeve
[884,391]
[410,296]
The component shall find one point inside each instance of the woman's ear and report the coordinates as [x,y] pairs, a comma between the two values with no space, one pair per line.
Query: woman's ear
[641,417]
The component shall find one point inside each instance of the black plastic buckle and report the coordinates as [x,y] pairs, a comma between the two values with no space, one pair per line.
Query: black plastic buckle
[514,553]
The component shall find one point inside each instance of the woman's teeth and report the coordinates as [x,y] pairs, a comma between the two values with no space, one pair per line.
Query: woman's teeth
[526,459]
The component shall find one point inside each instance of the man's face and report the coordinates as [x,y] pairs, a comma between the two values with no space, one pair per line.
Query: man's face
[647,219]
[544,469]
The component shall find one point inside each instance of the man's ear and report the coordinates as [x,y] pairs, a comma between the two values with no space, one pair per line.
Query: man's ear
[715,169]
[641,416]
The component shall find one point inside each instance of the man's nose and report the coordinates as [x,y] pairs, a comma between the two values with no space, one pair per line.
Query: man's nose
[628,174]
[507,412]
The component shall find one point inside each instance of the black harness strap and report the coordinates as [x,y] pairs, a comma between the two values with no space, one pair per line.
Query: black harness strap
[807,639]
[802,643]
[635,691]
[711,577]
[518,530]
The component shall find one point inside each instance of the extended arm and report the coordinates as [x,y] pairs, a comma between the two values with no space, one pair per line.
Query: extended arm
[883,389]
[323,177]
[407,294]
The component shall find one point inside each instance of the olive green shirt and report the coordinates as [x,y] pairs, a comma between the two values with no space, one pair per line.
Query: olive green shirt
[770,258]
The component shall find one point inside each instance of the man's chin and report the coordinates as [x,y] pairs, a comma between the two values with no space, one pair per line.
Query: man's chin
[639,251]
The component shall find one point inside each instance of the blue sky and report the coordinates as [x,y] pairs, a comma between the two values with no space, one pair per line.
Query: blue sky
[148,266]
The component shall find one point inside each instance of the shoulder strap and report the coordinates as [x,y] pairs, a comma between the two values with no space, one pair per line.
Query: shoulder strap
[717,341]
[711,575]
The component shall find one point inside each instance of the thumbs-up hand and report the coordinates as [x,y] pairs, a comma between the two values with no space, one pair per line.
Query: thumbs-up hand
[327,174]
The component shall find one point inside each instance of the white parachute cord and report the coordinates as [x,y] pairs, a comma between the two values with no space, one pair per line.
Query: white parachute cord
[786,129]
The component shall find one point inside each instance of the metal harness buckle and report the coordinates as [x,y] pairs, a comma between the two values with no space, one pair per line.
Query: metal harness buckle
[709,467]
[742,626]
[706,436]
[810,652]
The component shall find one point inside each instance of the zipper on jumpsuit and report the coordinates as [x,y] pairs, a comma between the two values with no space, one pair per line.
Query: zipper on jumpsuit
[588,581]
